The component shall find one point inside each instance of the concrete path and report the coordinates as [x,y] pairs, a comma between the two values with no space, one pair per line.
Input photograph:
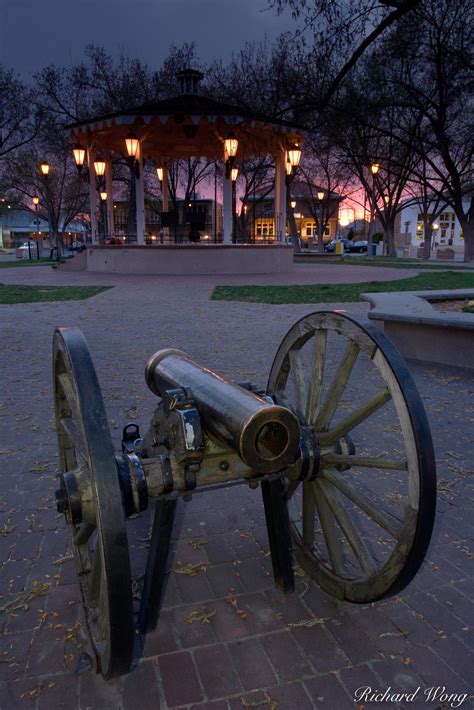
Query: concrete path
[241,659]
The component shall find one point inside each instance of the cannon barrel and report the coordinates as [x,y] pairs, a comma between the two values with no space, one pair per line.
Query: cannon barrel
[266,436]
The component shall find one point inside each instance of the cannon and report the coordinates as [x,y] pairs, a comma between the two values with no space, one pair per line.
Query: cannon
[338,442]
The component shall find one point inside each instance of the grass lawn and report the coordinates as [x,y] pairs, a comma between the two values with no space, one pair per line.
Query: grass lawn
[34,294]
[43,261]
[388,261]
[340,293]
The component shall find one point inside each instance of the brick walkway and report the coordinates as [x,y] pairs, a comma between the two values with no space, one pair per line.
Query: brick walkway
[251,658]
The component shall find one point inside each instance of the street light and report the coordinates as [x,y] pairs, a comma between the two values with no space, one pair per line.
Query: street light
[374,168]
[159,172]
[45,169]
[36,203]
[320,219]
[293,204]
[103,199]
[234,173]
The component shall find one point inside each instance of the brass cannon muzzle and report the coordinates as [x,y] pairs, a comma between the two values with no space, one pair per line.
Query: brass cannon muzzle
[265,435]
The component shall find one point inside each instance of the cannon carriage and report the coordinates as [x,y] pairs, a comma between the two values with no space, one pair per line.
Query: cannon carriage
[338,442]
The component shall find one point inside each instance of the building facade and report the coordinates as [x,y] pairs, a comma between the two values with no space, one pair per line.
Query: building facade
[18,225]
[307,211]
[445,227]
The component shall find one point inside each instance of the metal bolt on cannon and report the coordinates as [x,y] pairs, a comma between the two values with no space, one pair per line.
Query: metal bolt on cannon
[357,517]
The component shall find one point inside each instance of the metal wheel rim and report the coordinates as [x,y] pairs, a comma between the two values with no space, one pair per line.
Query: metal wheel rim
[75,378]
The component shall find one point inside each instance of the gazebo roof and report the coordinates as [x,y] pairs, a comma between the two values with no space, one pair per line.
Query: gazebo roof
[186,125]
[185,105]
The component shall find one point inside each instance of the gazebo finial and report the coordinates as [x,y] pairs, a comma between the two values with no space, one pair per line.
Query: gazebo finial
[189,80]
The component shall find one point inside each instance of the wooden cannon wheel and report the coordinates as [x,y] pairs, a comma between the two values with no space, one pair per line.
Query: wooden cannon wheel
[100,548]
[361,517]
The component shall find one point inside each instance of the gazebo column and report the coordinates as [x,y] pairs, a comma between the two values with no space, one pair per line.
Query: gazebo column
[110,198]
[140,199]
[280,196]
[93,199]
[227,209]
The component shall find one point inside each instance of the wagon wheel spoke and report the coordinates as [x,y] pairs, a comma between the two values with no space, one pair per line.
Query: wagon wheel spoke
[290,489]
[357,417]
[83,533]
[70,394]
[372,508]
[334,459]
[337,387]
[297,375]
[69,426]
[351,534]
[328,527]
[316,377]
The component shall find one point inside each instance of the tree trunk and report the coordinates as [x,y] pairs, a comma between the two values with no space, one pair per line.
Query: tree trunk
[293,230]
[468,234]
[389,234]
[427,236]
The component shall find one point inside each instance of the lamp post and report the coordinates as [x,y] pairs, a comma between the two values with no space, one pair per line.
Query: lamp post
[320,220]
[103,200]
[36,203]
[234,173]
[374,168]
[45,170]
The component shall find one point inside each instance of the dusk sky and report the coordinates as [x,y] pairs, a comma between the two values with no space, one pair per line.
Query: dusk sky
[35,33]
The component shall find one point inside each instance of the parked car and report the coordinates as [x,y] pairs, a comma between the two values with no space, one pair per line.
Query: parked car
[76,246]
[359,247]
[332,245]
[22,251]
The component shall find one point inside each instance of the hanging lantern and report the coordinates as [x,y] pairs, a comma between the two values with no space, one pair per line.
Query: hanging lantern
[45,168]
[294,155]
[79,155]
[99,167]
[230,145]
[131,143]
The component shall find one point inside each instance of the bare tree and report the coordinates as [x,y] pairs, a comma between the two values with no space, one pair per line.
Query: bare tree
[341,32]
[20,115]
[62,193]
[440,86]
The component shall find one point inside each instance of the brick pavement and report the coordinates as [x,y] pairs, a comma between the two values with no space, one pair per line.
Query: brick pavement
[248,655]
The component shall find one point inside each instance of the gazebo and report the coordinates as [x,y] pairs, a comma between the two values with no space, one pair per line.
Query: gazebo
[184,126]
